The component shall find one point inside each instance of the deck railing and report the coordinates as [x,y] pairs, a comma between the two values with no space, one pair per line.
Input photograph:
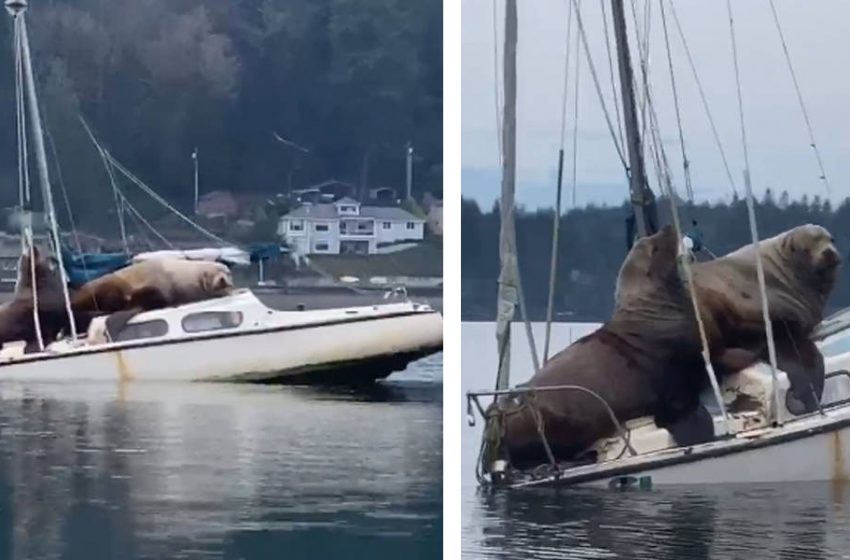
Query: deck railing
[472,399]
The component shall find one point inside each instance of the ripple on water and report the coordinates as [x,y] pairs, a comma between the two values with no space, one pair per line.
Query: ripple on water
[204,470]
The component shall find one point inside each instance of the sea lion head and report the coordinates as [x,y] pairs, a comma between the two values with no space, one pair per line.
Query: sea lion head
[47,277]
[650,266]
[217,280]
[811,249]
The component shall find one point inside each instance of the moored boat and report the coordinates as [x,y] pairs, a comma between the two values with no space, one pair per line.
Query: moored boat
[756,439]
[237,338]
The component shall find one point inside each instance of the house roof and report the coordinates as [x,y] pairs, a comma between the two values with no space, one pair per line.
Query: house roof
[388,213]
[329,212]
[347,200]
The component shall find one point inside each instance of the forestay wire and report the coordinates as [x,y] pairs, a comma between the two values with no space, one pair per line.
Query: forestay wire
[771,348]
[703,98]
[813,144]
[689,189]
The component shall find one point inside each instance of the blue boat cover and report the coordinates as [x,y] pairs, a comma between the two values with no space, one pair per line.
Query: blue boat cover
[264,251]
[84,267]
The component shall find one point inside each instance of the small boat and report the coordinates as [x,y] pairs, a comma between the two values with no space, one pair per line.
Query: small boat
[231,338]
[238,338]
[757,442]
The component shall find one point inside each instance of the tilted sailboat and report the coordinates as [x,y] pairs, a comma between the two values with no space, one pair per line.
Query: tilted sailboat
[232,338]
[764,444]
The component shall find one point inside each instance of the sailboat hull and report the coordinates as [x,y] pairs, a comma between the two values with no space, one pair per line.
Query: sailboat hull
[810,449]
[335,346]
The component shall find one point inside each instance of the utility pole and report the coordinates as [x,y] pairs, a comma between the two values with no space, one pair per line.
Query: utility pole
[409,170]
[195,160]
[642,197]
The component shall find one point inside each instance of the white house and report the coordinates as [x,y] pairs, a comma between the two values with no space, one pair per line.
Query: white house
[346,227]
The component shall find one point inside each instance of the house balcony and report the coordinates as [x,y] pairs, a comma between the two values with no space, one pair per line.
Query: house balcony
[359,230]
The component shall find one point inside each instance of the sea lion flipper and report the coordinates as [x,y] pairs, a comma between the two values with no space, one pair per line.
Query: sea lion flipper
[116,322]
[692,428]
[803,364]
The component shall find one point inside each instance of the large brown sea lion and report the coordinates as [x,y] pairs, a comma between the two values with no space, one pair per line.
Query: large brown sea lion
[154,284]
[16,316]
[645,361]
[800,267]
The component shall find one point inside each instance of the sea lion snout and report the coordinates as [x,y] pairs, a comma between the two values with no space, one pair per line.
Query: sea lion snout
[829,257]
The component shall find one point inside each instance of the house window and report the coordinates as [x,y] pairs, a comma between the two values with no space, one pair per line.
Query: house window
[386,225]
[211,321]
[320,227]
[321,246]
[296,225]
[145,329]
[411,225]
[346,209]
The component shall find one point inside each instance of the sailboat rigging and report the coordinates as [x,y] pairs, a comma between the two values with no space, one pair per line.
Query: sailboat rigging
[654,457]
[234,337]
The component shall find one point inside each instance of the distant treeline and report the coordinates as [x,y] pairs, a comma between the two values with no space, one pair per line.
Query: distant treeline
[345,84]
[593,245]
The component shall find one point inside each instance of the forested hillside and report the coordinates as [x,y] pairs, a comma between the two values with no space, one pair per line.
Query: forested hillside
[593,245]
[347,84]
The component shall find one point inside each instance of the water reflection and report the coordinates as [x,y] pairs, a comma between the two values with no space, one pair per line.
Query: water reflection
[203,470]
[794,521]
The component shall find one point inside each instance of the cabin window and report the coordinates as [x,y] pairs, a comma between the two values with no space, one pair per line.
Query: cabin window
[411,225]
[211,321]
[296,225]
[145,329]
[386,225]
[320,227]
[836,347]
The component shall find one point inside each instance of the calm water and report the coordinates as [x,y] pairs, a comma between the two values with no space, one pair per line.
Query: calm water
[795,521]
[222,471]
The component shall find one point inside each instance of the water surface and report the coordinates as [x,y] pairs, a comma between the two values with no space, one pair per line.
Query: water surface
[90,471]
[752,522]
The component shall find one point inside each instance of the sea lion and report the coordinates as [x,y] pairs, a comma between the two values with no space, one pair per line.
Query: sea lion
[154,284]
[16,316]
[645,361]
[800,269]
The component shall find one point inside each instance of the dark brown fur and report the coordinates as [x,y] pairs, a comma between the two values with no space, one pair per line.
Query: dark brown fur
[645,361]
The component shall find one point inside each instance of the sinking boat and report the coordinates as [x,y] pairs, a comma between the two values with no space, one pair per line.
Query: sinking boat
[750,448]
[231,338]
[756,438]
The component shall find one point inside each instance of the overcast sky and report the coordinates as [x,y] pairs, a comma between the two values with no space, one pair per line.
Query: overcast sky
[817,33]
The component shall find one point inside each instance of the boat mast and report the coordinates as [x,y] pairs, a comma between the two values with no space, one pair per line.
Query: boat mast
[642,197]
[509,274]
[17,9]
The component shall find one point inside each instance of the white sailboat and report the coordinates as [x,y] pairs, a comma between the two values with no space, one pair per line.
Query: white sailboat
[762,444]
[232,338]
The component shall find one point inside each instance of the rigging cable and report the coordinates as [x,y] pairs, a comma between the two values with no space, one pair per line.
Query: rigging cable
[611,72]
[598,87]
[118,207]
[703,98]
[800,97]
[556,218]
[650,122]
[689,189]
[771,349]
[150,192]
